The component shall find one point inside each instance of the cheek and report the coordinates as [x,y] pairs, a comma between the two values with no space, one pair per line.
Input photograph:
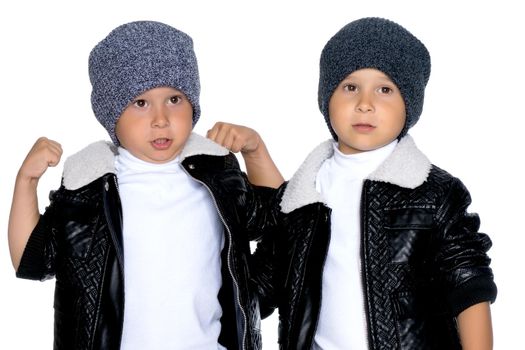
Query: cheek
[401,119]
[337,112]
[185,117]
[119,131]
[401,113]
[185,122]
[393,116]
[188,118]
[182,126]
[129,129]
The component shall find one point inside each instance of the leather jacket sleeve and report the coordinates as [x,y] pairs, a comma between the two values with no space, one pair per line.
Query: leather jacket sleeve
[461,256]
[240,202]
[261,215]
[38,259]
[265,268]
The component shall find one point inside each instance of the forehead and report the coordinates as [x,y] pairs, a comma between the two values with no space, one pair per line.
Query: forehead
[369,74]
[159,91]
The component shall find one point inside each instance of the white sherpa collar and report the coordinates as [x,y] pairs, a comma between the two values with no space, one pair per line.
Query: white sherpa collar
[98,159]
[406,167]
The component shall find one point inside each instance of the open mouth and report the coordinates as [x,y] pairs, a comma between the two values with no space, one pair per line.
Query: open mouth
[161,143]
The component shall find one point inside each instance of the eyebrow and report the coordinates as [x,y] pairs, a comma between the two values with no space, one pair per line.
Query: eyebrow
[385,79]
[380,80]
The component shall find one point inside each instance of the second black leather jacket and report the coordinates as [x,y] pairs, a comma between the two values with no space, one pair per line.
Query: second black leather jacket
[423,259]
[78,240]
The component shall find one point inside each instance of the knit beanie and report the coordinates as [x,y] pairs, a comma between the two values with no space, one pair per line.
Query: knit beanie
[134,58]
[381,44]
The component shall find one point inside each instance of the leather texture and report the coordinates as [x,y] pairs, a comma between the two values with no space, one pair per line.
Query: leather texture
[78,241]
[423,262]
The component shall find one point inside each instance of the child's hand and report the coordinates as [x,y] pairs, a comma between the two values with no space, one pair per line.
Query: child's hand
[43,154]
[24,214]
[260,167]
[235,137]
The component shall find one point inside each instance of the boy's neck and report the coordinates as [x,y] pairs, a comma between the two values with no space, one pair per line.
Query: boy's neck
[363,163]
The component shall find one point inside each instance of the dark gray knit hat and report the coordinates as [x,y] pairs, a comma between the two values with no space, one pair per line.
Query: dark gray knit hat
[134,58]
[381,44]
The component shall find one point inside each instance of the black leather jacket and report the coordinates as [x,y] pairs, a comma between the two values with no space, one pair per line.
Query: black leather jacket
[78,240]
[423,259]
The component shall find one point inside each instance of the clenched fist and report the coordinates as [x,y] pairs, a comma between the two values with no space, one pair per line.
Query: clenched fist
[43,154]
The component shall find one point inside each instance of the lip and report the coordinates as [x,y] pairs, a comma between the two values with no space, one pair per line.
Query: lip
[363,127]
[161,143]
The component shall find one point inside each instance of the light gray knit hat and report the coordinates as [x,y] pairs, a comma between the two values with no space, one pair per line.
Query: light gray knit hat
[134,58]
[381,44]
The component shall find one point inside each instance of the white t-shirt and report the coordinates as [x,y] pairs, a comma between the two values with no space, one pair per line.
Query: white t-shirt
[342,320]
[173,239]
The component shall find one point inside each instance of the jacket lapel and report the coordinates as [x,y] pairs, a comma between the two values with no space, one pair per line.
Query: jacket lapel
[98,159]
[406,167]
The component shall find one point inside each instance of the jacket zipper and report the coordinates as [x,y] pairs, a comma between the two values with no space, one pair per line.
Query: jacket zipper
[114,238]
[361,269]
[327,220]
[228,256]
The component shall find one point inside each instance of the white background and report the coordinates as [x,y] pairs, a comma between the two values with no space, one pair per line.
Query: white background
[259,67]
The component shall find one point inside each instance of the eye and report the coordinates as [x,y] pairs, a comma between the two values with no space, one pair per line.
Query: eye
[139,103]
[349,87]
[175,99]
[386,90]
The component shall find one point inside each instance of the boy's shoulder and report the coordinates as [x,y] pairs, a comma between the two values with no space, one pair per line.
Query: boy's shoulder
[89,164]
[98,159]
[439,174]
[409,167]
[200,145]
[441,179]
[202,154]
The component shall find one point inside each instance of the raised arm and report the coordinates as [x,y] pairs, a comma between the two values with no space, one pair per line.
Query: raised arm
[260,168]
[261,171]
[24,209]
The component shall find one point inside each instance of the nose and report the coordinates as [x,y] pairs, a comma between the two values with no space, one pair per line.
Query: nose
[160,118]
[365,103]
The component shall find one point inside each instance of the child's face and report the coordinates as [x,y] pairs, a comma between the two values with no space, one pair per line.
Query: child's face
[156,125]
[366,111]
